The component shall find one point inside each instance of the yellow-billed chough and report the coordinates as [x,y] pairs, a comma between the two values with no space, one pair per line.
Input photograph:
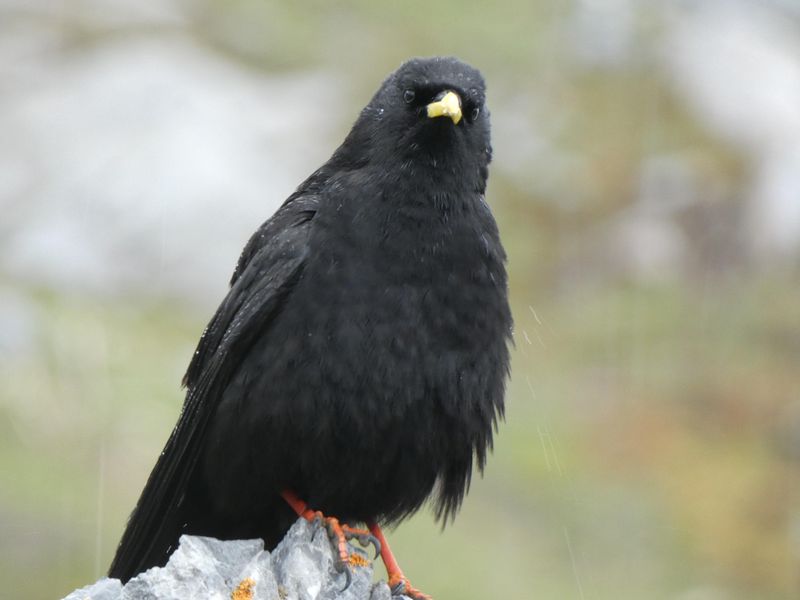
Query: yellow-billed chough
[357,365]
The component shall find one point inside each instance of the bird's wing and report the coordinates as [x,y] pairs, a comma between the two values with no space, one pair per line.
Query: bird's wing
[270,246]
[270,265]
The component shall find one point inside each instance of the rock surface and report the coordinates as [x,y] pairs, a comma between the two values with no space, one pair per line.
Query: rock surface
[300,568]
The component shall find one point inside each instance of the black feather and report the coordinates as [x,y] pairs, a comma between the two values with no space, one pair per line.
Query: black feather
[360,356]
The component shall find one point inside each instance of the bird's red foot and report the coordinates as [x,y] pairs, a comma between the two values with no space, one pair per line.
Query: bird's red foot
[338,533]
[398,583]
[401,586]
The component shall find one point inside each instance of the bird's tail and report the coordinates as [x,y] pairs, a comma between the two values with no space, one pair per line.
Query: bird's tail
[166,503]
[156,522]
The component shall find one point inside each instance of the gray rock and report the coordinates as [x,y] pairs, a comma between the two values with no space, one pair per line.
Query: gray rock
[104,589]
[737,66]
[381,591]
[302,567]
[134,153]
[204,567]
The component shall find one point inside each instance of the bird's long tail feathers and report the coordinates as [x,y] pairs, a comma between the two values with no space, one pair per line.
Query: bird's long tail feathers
[157,521]
[155,524]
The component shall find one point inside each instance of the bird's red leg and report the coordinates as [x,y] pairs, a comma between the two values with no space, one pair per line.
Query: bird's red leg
[338,532]
[398,582]
[298,506]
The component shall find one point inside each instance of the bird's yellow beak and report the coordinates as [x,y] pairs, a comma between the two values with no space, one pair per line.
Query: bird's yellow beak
[448,105]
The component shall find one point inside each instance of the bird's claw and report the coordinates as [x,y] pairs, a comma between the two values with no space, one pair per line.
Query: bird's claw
[398,589]
[348,574]
[402,587]
[347,556]
[365,539]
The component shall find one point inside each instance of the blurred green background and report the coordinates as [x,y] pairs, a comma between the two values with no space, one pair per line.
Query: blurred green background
[647,185]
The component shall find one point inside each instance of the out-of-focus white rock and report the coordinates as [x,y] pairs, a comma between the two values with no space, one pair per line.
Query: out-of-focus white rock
[737,65]
[144,163]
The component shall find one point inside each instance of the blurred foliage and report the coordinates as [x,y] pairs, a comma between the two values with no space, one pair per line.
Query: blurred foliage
[643,448]
[650,449]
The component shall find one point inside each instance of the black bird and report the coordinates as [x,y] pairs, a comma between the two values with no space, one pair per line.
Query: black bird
[359,360]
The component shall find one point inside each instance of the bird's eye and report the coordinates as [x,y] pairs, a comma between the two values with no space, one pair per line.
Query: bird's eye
[475,112]
[409,96]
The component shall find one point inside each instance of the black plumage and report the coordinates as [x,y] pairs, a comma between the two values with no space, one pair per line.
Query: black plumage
[360,356]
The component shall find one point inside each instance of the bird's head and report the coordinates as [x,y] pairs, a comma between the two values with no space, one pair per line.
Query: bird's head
[429,114]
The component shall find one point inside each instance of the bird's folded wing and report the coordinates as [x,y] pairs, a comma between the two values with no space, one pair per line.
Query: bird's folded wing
[267,255]
[276,259]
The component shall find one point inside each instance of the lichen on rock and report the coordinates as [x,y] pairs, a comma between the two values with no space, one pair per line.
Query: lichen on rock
[302,567]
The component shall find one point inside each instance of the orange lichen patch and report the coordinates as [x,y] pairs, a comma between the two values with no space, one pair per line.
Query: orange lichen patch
[357,560]
[244,591]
